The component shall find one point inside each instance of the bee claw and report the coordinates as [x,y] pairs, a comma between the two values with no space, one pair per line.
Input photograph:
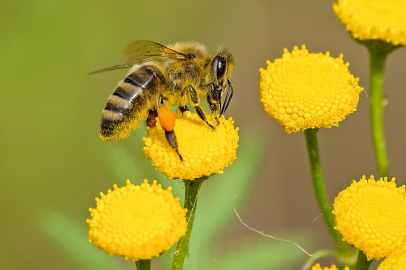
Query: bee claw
[180,157]
[211,126]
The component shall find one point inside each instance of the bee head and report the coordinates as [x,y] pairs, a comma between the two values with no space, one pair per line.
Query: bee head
[221,67]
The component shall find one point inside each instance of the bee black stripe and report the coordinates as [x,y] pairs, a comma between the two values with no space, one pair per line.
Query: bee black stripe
[133,83]
[135,80]
[108,107]
[120,92]
[112,107]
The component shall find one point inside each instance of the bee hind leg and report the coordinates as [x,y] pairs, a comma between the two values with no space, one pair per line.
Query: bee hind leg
[153,114]
[173,142]
[151,120]
[165,116]
[195,102]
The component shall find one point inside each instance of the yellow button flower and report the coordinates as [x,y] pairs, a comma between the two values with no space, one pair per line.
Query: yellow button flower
[137,222]
[333,267]
[204,152]
[371,215]
[395,261]
[374,19]
[305,90]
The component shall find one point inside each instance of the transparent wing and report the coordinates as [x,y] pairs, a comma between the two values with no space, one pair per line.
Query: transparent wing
[143,51]
[126,65]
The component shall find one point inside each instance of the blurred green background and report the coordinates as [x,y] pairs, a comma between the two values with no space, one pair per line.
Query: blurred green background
[52,160]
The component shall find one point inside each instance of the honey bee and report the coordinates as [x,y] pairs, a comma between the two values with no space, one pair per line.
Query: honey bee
[166,75]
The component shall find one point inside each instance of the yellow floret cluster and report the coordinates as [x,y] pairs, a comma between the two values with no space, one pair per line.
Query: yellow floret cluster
[333,267]
[137,222]
[305,90]
[204,151]
[395,261]
[374,19]
[371,215]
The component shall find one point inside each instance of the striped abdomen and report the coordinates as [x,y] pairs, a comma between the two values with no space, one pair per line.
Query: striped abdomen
[130,102]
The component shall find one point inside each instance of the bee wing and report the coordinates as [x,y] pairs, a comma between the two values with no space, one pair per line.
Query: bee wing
[126,65]
[143,51]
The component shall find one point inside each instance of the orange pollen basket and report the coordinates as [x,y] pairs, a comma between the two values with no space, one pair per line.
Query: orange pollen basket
[166,118]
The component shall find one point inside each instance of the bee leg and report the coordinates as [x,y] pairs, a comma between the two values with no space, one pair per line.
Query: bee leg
[169,131]
[229,96]
[151,120]
[160,101]
[195,102]
[219,94]
[153,114]
[214,100]
[173,142]
[183,109]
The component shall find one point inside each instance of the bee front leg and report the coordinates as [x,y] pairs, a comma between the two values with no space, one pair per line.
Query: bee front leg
[229,96]
[214,100]
[195,103]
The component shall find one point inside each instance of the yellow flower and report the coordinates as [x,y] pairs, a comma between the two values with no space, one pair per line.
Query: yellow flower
[371,215]
[204,152]
[305,90]
[374,19]
[137,222]
[395,261]
[333,267]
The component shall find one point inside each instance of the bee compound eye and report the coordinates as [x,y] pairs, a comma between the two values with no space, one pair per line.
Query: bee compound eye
[221,65]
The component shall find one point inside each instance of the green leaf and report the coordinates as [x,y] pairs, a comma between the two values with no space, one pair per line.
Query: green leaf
[72,238]
[216,204]
[265,254]
[126,160]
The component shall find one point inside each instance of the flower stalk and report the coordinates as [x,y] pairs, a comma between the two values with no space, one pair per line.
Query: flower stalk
[378,53]
[362,261]
[318,184]
[192,188]
[377,66]
[143,264]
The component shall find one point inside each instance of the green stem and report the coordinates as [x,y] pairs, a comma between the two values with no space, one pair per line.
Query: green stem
[143,265]
[377,66]
[362,262]
[192,188]
[318,184]
[378,52]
